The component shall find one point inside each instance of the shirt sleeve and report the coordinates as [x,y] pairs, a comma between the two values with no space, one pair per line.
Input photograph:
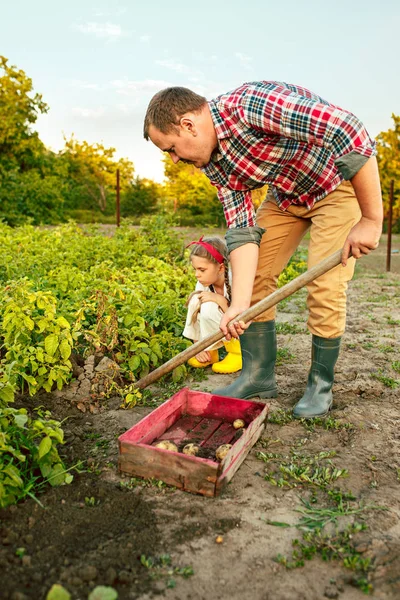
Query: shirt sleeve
[238,207]
[279,110]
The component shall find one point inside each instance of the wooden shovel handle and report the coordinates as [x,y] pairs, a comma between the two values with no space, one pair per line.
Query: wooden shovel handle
[287,290]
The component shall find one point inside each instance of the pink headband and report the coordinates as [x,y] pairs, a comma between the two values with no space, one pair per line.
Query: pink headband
[213,251]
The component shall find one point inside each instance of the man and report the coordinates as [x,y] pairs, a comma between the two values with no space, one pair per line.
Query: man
[319,162]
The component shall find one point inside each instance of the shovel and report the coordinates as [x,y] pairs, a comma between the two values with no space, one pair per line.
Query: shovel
[287,290]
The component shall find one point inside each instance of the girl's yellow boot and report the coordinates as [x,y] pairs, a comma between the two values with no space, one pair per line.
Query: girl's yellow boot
[193,362]
[232,361]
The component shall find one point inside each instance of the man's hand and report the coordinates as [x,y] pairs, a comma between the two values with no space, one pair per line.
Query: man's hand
[237,327]
[363,238]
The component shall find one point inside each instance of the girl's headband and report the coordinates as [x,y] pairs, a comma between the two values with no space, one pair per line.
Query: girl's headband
[213,251]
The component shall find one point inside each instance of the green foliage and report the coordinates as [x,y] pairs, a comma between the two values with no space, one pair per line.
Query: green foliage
[28,453]
[190,195]
[141,197]
[296,266]
[91,174]
[37,342]
[124,295]
[389,168]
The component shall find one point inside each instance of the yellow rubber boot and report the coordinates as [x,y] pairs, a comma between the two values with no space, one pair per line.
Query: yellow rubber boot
[232,361]
[193,362]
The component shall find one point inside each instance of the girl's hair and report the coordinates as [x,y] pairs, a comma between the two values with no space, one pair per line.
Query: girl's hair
[220,245]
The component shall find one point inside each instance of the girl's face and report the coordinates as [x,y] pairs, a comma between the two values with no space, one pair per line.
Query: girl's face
[207,272]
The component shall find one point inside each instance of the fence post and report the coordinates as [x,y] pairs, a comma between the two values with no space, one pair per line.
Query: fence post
[389,227]
[117,203]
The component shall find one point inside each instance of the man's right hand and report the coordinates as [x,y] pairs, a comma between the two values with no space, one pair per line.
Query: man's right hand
[237,327]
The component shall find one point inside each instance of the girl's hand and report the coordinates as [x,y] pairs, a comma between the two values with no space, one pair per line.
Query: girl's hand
[213,297]
[208,297]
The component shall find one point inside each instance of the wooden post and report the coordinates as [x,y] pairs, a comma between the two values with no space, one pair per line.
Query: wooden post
[287,290]
[118,201]
[389,228]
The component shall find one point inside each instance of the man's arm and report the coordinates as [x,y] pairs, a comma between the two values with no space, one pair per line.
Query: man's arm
[244,261]
[364,236]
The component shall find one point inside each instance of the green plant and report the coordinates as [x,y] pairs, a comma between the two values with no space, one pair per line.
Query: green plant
[339,546]
[29,457]
[161,567]
[299,469]
[387,381]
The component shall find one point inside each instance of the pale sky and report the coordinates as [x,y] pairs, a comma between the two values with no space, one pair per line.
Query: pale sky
[97,63]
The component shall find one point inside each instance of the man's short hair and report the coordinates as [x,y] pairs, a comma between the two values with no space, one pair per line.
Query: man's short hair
[167,106]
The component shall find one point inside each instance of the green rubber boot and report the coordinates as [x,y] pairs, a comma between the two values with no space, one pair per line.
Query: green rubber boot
[317,399]
[258,344]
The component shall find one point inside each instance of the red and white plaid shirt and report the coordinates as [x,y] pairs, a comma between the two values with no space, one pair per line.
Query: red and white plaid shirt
[283,135]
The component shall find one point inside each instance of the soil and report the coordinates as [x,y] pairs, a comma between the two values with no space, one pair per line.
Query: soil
[95,530]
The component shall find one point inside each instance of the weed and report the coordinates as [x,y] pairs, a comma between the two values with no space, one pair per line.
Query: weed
[385,348]
[331,547]
[396,366]
[281,417]
[286,327]
[298,469]
[284,356]
[161,567]
[151,482]
[387,381]
[392,321]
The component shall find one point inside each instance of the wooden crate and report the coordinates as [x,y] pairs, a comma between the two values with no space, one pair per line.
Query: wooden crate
[192,416]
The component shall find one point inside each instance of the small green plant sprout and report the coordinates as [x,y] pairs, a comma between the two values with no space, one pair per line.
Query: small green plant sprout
[91,501]
[161,567]
[387,381]
[20,552]
[396,366]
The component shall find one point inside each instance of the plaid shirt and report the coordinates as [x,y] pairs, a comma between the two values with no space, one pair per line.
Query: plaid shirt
[283,135]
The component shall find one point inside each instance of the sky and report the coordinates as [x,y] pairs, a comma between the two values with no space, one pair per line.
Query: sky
[97,63]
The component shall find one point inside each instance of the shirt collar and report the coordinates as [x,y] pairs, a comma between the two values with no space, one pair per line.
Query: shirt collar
[221,128]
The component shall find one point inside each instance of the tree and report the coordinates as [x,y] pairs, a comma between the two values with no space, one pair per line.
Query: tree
[92,172]
[20,147]
[191,193]
[389,167]
[140,197]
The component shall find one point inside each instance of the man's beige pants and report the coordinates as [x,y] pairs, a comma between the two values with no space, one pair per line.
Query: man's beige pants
[329,222]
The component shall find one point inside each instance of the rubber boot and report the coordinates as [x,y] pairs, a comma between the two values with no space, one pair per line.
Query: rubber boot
[257,378]
[232,361]
[193,362]
[317,399]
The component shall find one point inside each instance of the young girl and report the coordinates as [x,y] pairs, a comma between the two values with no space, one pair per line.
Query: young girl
[211,298]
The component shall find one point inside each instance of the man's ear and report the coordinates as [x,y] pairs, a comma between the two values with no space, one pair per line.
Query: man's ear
[188,124]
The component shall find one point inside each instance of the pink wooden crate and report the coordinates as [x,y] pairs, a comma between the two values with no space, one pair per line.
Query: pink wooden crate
[191,416]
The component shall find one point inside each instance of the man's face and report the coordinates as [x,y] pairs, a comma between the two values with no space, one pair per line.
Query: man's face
[187,143]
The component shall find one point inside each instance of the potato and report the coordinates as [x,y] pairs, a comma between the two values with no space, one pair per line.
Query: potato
[191,449]
[238,424]
[167,445]
[222,451]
